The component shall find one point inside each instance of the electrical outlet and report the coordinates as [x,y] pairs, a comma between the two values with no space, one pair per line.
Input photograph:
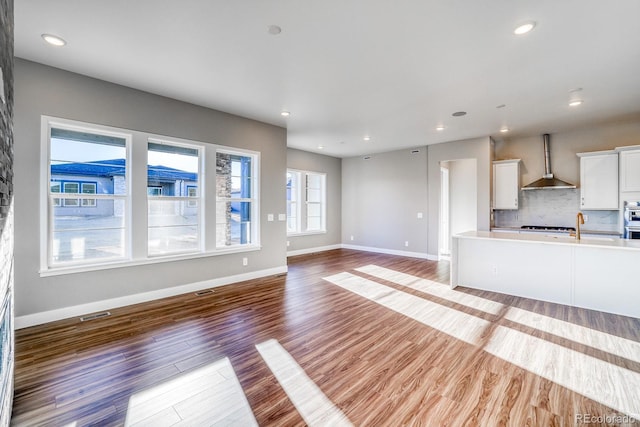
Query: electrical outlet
[288,243]
[586,218]
[351,238]
[419,215]
[269,217]
[245,261]
[406,243]
[494,270]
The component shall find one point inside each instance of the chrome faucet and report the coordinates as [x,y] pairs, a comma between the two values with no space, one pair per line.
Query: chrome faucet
[579,220]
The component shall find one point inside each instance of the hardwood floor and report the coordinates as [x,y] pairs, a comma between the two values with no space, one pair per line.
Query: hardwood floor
[344,337]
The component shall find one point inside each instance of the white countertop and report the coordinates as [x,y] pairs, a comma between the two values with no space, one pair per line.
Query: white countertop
[556,239]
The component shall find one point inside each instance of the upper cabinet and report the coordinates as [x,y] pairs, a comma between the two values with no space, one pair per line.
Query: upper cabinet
[629,168]
[599,180]
[506,184]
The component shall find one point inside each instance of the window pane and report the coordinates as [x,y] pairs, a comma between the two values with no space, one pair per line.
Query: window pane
[314,209]
[314,181]
[314,195]
[174,225]
[314,223]
[88,237]
[85,229]
[233,224]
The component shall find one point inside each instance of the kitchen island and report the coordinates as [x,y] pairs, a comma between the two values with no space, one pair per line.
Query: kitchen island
[596,273]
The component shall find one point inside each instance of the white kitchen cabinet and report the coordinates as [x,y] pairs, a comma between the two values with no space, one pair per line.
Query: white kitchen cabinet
[506,184]
[629,168]
[599,180]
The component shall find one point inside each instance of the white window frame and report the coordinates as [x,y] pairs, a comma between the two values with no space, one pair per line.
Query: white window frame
[303,203]
[254,199]
[199,147]
[48,213]
[136,240]
[296,189]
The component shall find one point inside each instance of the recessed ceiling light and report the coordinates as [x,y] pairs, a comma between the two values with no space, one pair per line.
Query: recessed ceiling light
[575,102]
[524,28]
[274,30]
[503,130]
[439,128]
[285,114]
[53,40]
[320,147]
[367,138]
[459,113]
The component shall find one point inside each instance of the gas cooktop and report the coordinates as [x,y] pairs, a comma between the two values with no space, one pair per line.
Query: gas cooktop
[547,228]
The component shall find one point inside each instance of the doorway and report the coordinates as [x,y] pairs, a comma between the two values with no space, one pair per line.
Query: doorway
[458,201]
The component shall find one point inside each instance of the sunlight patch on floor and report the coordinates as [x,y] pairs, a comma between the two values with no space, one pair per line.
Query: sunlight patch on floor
[207,396]
[314,407]
[433,288]
[459,325]
[601,340]
[604,382]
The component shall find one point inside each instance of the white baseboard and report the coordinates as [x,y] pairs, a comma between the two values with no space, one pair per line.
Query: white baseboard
[313,250]
[391,252]
[92,307]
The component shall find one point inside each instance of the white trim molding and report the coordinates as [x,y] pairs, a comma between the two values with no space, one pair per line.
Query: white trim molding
[92,307]
[421,255]
[314,250]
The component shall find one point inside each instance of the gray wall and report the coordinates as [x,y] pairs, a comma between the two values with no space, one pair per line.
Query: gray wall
[478,149]
[42,90]
[463,195]
[381,197]
[332,166]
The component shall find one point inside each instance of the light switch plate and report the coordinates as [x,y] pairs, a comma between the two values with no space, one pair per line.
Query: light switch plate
[269,217]
[282,217]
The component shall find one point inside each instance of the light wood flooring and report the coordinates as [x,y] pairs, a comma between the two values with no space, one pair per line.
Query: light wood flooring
[345,338]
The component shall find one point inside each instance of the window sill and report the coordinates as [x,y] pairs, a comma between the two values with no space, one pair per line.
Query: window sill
[84,268]
[306,233]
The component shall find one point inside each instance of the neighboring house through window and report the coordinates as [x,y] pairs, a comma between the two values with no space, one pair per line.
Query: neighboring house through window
[89,216]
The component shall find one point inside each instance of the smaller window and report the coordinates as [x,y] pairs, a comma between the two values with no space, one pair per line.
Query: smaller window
[89,188]
[71,188]
[55,188]
[192,191]
[154,191]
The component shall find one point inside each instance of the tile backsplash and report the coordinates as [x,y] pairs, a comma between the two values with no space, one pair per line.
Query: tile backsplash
[556,207]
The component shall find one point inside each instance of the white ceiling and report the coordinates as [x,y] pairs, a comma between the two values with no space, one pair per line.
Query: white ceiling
[393,70]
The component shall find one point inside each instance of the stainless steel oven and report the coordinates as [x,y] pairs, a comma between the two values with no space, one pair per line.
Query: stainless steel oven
[632,220]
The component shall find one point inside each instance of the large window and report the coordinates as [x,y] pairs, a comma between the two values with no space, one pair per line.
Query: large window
[85,229]
[99,180]
[235,199]
[306,202]
[172,198]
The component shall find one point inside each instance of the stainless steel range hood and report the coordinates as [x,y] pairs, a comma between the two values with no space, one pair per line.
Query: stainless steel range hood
[547,182]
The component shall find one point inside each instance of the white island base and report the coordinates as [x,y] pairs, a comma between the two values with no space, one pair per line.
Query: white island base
[596,273]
